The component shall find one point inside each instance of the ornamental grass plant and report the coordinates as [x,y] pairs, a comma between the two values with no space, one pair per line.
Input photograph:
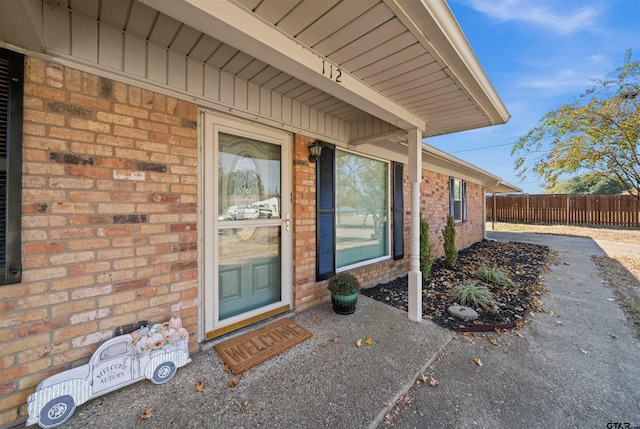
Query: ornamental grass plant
[474,297]
[495,276]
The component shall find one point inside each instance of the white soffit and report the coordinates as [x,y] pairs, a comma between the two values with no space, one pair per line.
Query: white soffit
[247,32]
[404,61]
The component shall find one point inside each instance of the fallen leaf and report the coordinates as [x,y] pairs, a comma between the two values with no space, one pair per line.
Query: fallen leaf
[558,322]
[245,374]
[466,334]
[369,340]
[552,313]
[323,344]
[433,382]
[519,335]
[422,378]
[226,368]
[199,387]
[613,336]
[493,341]
[233,382]
[477,361]
[147,414]
[587,291]
[318,321]
[336,340]
[405,399]
[520,324]
[245,406]
[359,342]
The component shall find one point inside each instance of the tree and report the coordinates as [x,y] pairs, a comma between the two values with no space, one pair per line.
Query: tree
[426,257]
[586,185]
[598,133]
[449,235]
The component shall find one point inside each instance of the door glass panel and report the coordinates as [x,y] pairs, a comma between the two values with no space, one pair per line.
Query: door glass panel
[249,269]
[249,179]
[249,253]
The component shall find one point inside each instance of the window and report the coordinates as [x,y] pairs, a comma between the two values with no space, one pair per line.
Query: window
[11,92]
[458,199]
[353,201]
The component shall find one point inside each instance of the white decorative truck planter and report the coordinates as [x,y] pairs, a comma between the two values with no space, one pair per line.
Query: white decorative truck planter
[152,352]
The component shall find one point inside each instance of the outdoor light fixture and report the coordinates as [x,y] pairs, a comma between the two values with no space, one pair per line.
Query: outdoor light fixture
[315,149]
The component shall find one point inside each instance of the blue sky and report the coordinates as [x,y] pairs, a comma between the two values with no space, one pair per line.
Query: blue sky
[538,54]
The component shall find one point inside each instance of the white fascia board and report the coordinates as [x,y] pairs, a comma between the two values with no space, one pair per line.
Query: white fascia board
[435,26]
[245,31]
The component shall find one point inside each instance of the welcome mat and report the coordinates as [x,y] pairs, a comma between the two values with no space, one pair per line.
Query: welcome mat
[248,350]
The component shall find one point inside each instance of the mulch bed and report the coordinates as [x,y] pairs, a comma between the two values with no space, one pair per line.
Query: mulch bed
[522,262]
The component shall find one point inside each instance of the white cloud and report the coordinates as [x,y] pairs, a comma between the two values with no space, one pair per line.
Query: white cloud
[535,12]
[558,81]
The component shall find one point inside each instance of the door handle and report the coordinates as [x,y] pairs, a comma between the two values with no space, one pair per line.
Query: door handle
[288,222]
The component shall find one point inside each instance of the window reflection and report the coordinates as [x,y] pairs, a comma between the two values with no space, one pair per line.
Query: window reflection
[361,209]
[249,179]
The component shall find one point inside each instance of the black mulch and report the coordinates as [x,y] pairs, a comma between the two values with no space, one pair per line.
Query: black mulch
[522,262]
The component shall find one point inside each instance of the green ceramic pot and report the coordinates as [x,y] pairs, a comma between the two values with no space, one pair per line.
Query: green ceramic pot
[344,304]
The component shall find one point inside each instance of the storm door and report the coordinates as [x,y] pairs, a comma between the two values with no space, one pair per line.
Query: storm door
[247,225]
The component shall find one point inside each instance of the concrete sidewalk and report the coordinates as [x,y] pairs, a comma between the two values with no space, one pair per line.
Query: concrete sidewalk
[579,369]
[313,385]
[568,374]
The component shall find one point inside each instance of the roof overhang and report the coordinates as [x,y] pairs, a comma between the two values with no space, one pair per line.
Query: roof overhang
[21,24]
[233,25]
[435,54]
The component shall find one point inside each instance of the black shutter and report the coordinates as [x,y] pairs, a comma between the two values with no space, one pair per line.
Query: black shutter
[11,104]
[325,214]
[398,211]
[464,200]
[452,195]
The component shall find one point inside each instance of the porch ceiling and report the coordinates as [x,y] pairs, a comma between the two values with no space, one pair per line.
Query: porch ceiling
[411,53]
[404,61]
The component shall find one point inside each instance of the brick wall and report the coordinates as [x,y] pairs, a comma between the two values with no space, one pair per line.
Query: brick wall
[109,223]
[434,205]
[306,292]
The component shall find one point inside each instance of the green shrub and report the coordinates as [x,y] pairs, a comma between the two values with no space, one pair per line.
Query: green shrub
[343,284]
[449,235]
[495,276]
[474,297]
[426,258]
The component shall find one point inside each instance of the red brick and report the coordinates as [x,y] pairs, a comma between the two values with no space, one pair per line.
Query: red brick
[129,285]
[91,102]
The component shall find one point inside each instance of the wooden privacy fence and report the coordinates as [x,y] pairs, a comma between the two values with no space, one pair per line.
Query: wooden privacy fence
[613,210]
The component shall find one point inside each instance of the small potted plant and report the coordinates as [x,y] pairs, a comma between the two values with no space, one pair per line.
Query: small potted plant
[344,288]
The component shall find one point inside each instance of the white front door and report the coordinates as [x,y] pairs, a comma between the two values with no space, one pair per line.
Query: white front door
[246,194]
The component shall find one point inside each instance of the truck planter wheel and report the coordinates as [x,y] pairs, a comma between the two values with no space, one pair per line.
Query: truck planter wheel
[163,373]
[152,352]
[57,411]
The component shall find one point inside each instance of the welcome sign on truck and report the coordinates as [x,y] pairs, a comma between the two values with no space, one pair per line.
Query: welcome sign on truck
[152,352]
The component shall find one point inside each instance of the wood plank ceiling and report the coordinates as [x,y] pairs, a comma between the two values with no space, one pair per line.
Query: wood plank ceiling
[363,37]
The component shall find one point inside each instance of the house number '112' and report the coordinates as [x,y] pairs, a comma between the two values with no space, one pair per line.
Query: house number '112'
[328,71]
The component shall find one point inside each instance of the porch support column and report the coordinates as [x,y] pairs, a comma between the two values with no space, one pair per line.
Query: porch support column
[415,178]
